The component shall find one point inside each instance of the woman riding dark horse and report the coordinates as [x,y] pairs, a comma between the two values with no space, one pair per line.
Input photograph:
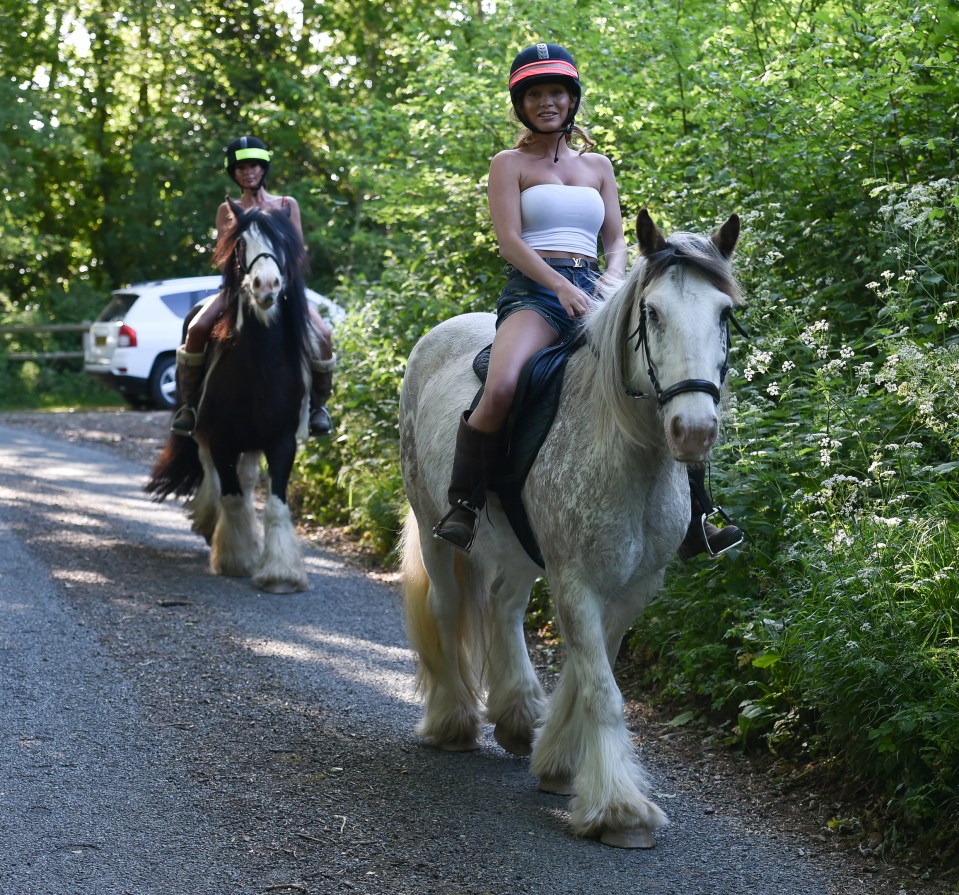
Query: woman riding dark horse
[253,400]
[247,163]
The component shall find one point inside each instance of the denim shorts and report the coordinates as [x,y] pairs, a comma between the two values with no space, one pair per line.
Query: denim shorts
[523,294]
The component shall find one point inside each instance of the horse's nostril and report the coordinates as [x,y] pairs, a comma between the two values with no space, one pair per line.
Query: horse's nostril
[692,437]
[677,428]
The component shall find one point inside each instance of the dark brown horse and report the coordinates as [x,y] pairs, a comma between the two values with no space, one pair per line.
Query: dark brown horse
[253,403]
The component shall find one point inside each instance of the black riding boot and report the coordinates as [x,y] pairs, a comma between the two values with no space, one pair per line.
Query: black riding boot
[702,536]
[467,492]
[189,385]
[321,387]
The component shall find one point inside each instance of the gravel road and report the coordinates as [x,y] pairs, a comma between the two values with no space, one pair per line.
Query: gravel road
[166,731]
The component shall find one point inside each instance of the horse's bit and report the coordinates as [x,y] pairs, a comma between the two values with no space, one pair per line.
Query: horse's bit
[663,396]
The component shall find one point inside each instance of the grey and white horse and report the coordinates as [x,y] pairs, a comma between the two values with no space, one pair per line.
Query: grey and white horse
[608,501]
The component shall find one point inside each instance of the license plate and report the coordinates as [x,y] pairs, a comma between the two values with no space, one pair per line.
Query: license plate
[100,341]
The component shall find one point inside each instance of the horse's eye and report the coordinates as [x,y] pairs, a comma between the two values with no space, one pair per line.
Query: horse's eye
[653,315]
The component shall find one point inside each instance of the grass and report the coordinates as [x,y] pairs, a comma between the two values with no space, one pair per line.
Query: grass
[33,386]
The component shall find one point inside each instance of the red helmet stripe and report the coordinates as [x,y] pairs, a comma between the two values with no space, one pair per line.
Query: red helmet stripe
[543,67]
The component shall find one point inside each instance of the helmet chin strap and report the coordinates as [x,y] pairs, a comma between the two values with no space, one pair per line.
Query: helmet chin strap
[563,136]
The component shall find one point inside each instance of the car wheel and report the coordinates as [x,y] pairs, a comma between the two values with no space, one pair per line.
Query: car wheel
[163,383]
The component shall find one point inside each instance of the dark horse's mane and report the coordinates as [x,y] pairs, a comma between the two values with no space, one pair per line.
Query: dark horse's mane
[277,229]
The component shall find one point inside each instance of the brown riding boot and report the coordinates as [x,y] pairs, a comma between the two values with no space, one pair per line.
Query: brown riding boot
[702,536]
[189,386]
[321,387]
[467,491]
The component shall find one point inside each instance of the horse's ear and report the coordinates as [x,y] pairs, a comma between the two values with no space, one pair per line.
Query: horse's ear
[650,239]
[235,207]
[726,237]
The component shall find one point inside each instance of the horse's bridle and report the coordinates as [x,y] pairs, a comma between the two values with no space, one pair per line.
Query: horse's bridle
[663,396]
[239,251]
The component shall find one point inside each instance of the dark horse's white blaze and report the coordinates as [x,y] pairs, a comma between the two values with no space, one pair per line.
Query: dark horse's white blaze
[253,405]
[608,500]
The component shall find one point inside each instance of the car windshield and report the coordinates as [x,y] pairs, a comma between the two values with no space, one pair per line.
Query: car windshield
[118,308]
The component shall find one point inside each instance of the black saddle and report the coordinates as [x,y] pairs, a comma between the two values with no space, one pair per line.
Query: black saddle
[534,409]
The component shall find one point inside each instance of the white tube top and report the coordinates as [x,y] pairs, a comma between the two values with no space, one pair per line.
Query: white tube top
[560,218]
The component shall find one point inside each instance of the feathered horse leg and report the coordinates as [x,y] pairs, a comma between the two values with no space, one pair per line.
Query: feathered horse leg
[281,569]
[585,739]
[236,545]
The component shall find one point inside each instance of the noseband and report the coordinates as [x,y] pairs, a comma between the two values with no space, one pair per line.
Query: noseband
[664,396]
[239,251]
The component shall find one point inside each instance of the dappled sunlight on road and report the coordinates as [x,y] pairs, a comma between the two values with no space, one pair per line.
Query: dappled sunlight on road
[72,577]
[54,474]
[382,668]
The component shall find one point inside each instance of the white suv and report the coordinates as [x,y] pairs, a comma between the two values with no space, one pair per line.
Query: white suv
[132,344]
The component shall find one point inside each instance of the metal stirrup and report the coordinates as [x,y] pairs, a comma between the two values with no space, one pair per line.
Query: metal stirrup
[722,514]
[459,505]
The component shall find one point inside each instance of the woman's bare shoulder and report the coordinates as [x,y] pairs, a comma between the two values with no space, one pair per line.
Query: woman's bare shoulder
[224,215]
[509,160]
[597,161]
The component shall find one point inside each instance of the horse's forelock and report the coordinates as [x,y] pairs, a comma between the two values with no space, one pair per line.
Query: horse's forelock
[276,228]
[690,251]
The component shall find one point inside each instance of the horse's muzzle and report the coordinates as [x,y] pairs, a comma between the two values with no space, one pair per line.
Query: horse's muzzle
[690,437]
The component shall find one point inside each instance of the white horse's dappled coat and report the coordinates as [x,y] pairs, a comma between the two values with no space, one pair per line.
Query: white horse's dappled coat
[608,500]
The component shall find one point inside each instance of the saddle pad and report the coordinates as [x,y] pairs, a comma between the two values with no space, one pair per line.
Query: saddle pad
[534,409]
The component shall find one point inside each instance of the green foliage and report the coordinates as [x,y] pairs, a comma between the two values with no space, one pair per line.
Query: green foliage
[31,385]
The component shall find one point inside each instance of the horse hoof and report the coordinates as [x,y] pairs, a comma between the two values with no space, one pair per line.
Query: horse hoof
[557,786]
[516,745]
[636,837]
[280,587]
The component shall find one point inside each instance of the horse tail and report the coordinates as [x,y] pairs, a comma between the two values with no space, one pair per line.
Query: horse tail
[177,471]
[420,624]
[451,649]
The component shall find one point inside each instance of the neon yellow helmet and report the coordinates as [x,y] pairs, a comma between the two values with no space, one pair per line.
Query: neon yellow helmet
[247,149]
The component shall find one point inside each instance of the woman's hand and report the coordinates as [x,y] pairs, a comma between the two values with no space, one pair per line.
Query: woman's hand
[574,301]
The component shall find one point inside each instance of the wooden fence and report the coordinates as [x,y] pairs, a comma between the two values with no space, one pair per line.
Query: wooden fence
[47,329]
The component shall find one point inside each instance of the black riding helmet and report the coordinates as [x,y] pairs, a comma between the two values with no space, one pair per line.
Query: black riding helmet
[542,64]
[247,149]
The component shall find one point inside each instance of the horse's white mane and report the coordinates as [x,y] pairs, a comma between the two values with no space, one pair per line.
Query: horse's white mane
[606,327]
